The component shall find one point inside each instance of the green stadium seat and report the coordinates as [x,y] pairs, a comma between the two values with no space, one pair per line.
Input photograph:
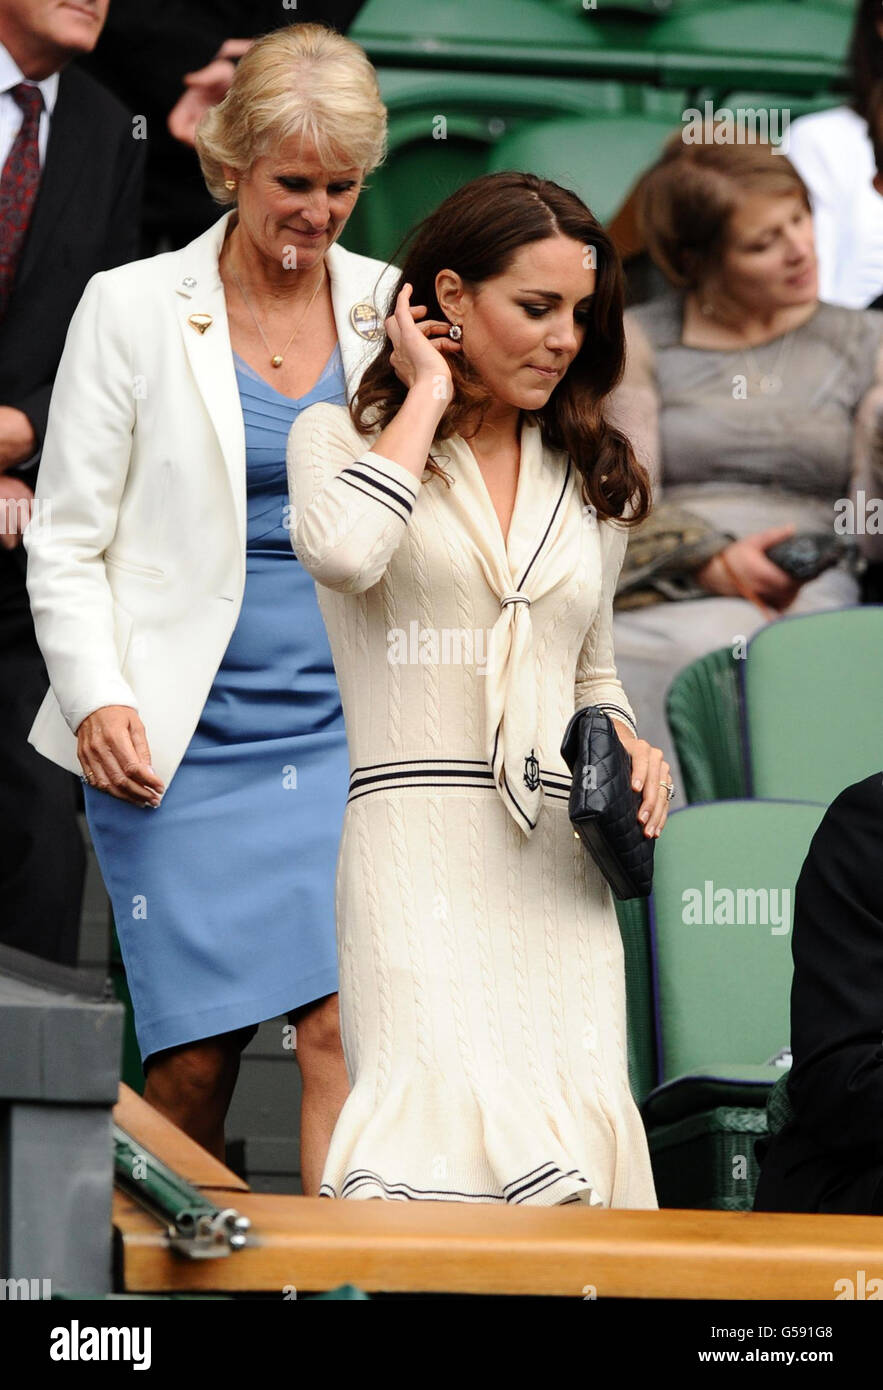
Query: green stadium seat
[722,988]
[434,25]
[722,992]
[421,169]
[755,27]
[599,157]
[703,708]
[791,43]
[520,37]
[813,706]
[634,928]
[794,103]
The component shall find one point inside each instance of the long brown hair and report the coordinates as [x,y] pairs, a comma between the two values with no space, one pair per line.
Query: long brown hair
[476,232]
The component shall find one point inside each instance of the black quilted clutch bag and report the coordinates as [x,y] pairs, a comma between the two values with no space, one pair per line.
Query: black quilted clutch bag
[604,806]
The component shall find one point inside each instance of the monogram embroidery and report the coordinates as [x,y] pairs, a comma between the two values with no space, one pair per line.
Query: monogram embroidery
[531,772]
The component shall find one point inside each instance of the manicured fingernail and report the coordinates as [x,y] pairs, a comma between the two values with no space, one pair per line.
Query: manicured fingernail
[645,815]
[637,785]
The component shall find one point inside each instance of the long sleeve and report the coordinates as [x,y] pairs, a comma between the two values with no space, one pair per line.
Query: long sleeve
[596,680]
[349,506]
[82,475]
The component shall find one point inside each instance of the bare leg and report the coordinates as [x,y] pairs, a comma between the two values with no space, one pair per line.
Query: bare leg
[325,1084]
[192,1085]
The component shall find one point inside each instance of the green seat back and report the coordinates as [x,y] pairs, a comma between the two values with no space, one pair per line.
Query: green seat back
[634,929]
[814,703]
[427,160]
[765,28]
[434,23]
[723,986]
[796,104]
[599,157]
[703,710]
[753,43]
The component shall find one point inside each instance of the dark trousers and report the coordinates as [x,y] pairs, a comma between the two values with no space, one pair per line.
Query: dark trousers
[42,857]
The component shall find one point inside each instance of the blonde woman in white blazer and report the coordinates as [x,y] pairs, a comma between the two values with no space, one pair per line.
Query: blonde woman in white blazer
[191,681]
[482,978]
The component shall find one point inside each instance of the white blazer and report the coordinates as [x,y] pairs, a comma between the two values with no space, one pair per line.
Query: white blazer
[136,550]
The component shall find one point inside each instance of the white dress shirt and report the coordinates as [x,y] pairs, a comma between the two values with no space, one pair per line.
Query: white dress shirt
[832,152]
[10,112]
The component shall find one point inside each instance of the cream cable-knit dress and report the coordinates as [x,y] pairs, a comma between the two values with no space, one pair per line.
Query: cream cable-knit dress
[482,988]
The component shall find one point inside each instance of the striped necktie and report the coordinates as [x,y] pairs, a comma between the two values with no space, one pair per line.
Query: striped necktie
[18,186]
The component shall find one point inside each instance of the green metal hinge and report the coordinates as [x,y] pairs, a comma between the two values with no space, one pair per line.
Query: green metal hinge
[196,1227]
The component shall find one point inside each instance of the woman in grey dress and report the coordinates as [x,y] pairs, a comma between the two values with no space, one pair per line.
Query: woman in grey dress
[754,406]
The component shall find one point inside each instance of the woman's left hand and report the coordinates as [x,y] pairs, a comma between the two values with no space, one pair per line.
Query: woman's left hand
[650,772]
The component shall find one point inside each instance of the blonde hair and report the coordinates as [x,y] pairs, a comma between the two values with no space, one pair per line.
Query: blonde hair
[304,79]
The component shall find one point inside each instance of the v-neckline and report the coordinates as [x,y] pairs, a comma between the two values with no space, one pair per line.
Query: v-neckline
[487,493]
[294,400]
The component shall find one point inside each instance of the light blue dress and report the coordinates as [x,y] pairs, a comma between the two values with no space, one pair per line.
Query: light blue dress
[224,897]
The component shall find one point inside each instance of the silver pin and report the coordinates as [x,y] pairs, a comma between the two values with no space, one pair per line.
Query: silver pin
[189,282]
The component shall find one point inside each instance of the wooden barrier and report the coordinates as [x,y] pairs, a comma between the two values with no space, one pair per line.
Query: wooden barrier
[311,1243]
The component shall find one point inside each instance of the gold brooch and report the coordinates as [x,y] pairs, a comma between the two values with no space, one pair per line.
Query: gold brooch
[366,321]
[200,322]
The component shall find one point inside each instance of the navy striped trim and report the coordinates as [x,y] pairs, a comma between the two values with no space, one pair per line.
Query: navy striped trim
[440,774]
[364,490]
[537,1181]
[507,789]
[516,1192]
[555,510]
[557,785]
[394,482]
[401,501]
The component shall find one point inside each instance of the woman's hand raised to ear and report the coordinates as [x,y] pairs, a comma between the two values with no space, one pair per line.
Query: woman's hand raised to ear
[419,348]
[113,753]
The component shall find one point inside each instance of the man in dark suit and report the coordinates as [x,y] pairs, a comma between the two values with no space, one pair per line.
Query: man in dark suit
[70,190]
[829,1156]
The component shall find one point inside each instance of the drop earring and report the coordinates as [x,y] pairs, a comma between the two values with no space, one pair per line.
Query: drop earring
[455,332]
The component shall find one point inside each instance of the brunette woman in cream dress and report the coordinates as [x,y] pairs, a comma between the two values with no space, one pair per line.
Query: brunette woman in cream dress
[482,984]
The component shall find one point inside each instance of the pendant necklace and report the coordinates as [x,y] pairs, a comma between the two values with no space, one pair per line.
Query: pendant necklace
[770,382]
[276,359]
